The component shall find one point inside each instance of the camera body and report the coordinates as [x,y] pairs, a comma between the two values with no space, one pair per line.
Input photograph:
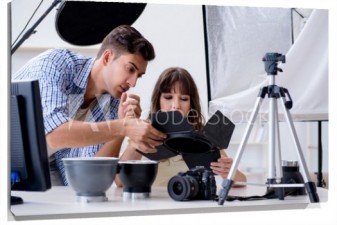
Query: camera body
[195,184]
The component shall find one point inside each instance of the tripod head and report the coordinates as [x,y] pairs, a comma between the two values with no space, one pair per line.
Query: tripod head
[270,62]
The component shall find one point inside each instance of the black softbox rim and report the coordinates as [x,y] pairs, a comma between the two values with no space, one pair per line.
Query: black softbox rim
[188,142]
[86,23]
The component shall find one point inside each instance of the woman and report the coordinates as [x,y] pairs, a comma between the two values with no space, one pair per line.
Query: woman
[176,90]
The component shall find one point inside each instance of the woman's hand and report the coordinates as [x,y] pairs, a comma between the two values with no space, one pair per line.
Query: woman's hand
[222,166]
[144,136]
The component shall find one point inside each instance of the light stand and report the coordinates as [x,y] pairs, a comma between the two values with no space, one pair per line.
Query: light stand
[31,30]
[274,93]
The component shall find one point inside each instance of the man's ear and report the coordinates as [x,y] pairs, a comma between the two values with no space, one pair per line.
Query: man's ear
[107,56]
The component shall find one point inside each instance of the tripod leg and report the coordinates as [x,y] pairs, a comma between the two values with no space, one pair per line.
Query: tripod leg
[227,183]
[272,143]
[275,176]
[279,172]
[310,186]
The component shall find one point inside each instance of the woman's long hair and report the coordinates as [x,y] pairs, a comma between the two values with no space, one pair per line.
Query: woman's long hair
[167,79]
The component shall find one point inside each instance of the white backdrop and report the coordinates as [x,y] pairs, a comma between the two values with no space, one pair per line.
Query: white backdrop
[238,37]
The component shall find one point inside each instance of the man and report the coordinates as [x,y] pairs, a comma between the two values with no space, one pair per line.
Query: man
[84,100]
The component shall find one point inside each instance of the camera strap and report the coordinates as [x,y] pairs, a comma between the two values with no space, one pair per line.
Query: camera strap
[270,194]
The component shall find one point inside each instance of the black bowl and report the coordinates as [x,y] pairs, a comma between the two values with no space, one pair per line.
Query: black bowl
[137,176]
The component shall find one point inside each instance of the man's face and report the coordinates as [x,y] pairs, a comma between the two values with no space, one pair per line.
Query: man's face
[122,73]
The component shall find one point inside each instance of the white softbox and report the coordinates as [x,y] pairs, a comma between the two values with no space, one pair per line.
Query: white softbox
[237,71]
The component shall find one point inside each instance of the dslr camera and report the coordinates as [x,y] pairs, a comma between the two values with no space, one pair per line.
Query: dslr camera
[195,184]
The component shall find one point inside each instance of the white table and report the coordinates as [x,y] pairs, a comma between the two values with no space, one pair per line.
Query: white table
[60,202]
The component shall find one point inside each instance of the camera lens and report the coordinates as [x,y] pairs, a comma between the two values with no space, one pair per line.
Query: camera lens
[177,188]
[182,187]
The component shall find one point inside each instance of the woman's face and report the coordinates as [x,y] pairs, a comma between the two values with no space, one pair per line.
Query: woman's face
[175,100]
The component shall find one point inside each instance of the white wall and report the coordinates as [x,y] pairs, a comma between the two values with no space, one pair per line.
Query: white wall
[176,31]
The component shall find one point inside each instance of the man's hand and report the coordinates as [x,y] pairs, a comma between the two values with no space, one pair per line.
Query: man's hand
[143,136]
[129,106]
[135,147]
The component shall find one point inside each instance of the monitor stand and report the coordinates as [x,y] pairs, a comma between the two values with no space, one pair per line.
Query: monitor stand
[16,200]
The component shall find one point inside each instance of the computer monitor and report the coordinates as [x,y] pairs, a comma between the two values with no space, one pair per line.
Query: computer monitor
[28,151]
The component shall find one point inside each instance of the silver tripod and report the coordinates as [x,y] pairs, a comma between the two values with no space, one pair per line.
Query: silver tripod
[275,177]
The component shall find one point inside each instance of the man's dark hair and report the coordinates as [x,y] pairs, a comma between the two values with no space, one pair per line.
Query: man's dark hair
[126,39]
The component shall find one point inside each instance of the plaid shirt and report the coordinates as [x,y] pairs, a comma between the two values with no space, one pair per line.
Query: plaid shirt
[63,77]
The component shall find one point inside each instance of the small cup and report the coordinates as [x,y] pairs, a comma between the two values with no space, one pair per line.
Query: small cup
[292,175]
